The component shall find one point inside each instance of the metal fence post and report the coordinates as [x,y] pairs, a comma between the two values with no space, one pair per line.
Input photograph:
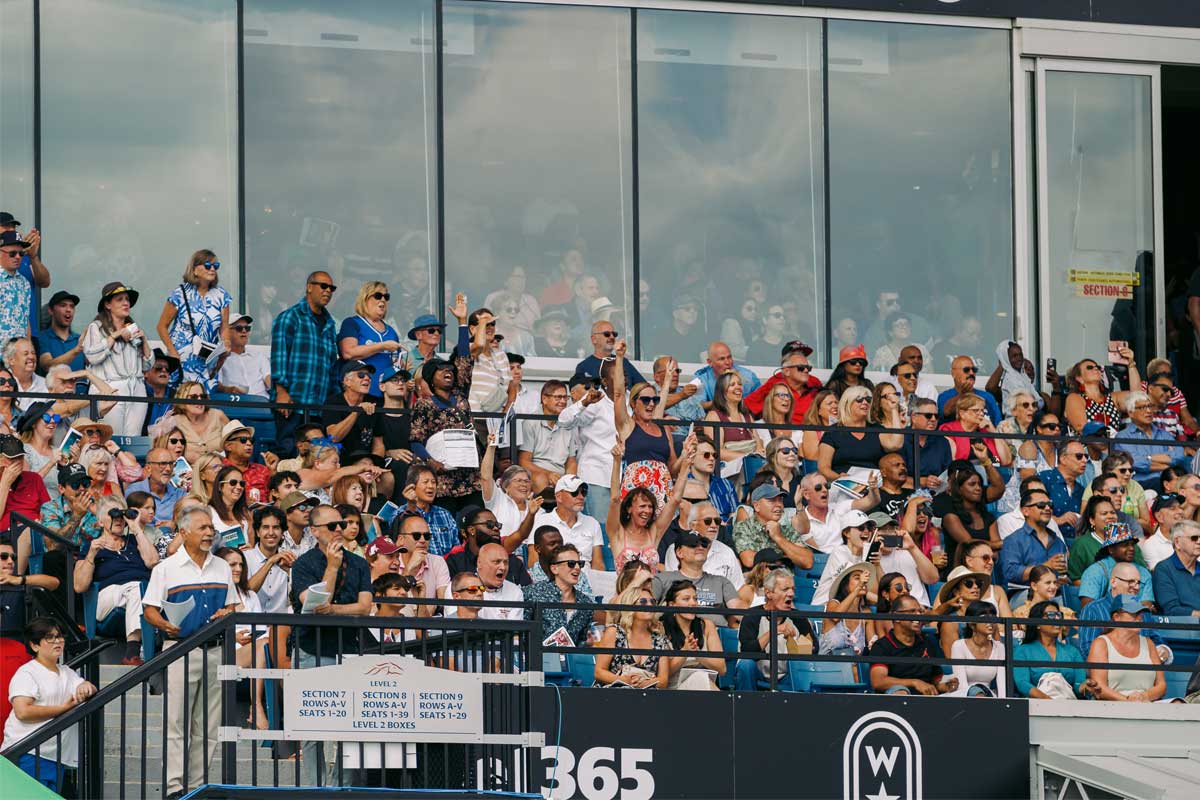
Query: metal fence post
[773,627]
[228,691]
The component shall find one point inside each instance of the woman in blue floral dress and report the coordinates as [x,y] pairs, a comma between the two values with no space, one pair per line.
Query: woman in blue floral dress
[197,311]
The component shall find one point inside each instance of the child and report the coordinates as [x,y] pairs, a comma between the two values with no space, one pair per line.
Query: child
[40,690]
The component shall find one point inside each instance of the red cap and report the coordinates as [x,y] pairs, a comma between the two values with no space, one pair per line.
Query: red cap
[849,352]
[381,546]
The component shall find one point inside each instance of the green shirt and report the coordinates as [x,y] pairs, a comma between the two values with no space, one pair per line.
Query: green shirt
[1083,555]
[752,535]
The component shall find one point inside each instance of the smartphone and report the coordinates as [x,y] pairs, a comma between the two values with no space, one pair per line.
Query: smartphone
[1052,364]
[180,471]
[872,549]
[892,540]
[1115,346]
[975,440]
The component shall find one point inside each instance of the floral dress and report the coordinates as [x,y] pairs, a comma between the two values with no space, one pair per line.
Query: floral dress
[204,322]
[621,661]
[432,415]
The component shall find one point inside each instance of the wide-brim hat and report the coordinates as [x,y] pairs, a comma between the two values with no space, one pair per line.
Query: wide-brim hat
[859,566]
[32,414]
[425,321]
[163,355]
[232,427]
[850,352]
[82,424]
[1116,533]
[957,576]
[115,288]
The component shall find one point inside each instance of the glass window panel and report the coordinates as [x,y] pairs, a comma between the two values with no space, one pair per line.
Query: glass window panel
[920,178]
[731,200]
[16,112]
[139,147]
[538,165]
[341,137]
[1100,204]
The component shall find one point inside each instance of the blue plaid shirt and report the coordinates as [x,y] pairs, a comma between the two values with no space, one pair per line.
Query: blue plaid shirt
[441,525]
[303,353]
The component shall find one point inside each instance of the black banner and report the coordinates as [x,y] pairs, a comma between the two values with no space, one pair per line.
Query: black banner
[1176,13]
[636,745]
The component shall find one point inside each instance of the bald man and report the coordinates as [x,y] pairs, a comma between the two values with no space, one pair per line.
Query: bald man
[963,371]
[604,339]
[719,360]
[1125,579]
[492,569]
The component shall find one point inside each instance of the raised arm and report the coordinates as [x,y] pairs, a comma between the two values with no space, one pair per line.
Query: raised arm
[613,523]
[620,410]
[487,468]
[672,505]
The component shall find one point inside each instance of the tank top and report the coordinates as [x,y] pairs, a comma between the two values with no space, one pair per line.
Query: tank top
[1129,680]
[733,434]
[648,555]
[1105,412]
[641,446]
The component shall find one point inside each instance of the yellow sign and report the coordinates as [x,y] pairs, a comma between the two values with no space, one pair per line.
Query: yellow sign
[1104,277]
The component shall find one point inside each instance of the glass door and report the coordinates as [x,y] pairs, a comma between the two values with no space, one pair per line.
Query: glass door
[1098,209]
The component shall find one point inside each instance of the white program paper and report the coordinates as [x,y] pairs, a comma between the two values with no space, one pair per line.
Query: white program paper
[455,448]
[178,612]
[317,596]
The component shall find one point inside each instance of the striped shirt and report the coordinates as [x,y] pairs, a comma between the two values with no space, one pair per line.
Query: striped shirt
[178,577]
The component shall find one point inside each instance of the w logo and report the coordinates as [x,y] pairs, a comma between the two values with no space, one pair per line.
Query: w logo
[892,767]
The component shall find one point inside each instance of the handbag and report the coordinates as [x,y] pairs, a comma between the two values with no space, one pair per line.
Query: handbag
[198,341]
[1055,686]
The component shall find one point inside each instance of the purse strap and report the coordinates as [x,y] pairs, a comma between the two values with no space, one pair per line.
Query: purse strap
[188,306]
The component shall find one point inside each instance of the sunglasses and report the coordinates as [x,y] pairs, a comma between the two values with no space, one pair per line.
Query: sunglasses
[1050,426]
[925,414]
[13,253]
[1133,581]
[1125,470]
[362,375]
[336,525]
[970,370]
[649,401]
[241,440]
[858,362]
[775,314]
[490,524]
[906,375]
[706,454]
[7,557]
[608,334]
[381,295]
[169,441]
[644,601]
[214,265]
[1091,367]
[800,367]
[1164,387]
[703,543]
[1052,615]
[984,557]
[430,331]
[234,482]
[326,287]
[864,400]
[711,520]
[475,589]
[239,329]
[1026,404]
[971,583]
[580,492]
[93,432]
[787,450]
[1076,456]
[571,563]
[1042,505]
[1115,490]
[7,382]
[51,419]
[820,487]
[420,536]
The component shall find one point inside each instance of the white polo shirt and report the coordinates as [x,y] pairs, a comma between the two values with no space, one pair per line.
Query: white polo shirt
[178,577]
[508,592]
[248,369]
[1155,548]
[274,592]
[584,535]
[597,430]
[824,536]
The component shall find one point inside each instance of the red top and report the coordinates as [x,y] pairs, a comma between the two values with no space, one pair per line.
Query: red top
[756,399]
[26,496]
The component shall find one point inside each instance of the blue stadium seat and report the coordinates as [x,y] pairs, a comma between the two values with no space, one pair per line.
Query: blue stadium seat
[582,668]
[1070,596]
[806,587]
[555,669]
[37,552]
[814,621]
[137,446]
[827,676]
[819,562]
[729,644]
[113,625]
[1176,684]
[261,419]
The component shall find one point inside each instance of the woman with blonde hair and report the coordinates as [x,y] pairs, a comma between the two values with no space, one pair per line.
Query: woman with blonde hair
[856,442]
[367,336]
[325,470]
[637,630]
[201,424]
[196,314]
[204,476]
[777,410]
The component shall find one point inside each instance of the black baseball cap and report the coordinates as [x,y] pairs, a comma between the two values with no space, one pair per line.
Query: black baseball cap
[11,446]
[795,346]
[355,365]
[8,219]
[73,475]
[583,379]
[60,296]
[11,238]
[516,358]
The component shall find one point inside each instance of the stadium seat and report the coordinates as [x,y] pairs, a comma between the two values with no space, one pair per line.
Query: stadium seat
[729,644]
[137,446]
[1070,596]
[1176,684]
[582,668]
[826,676]
[814,621]
[555,669]
[806,587]
[113,626]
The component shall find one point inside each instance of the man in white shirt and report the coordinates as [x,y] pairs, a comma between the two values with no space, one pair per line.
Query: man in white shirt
[1168,509]
[267,566]
[705,520]
[21,360]
[593,418]
[492,570]
[244,372]
[546,445]
[577,529]
[824,526]
[191,573]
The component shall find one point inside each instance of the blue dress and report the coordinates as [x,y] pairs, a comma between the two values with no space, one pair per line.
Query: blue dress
[204,322]
[360,331]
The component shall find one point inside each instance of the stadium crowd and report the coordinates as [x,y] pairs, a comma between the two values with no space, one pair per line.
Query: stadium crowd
[681,492]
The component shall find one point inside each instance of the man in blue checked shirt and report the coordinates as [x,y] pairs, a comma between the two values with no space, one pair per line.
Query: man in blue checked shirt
[303,354]
[420,493]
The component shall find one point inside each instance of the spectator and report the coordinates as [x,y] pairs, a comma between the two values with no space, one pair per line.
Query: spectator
[906,640]
[393,433]
[1157,547]
[968,517]
[782,469]
[491,376]
[593,417]
[681,400]
[855,442]
[192,572]
[967,338]
[1170,407]
[634,630]
[479,528]
[553,335]
[963,372]
[427,331]
[1124,581]
[935,451]
[686,328]
[1125,646]
[982,643]
[777,411]
[736,443]
[366,337]
[978,557]
[1133,496]
[898,331]
[887,303]
[892,586]
[413,538]
[21,360]
[447,408]
[355,428]
[244,372]
[10,407]
[687,631]
[850,371]
[282,484]
[1177,579]
[1189,487]
[845,333]
[21,490]
[721,561]
[237,440]
[157,383]
[649,448]
[765,530]
[16,290]
[917,519]
[546,539]
[1021,408]
[510,325]
[604,343]
[31,267]
[795,372]
[268,566]
[158,485]
[71,515]
[206,469]
[528,309]
[303,354]
[1099,512]
[492,567]
[566,567]
[719,361]
[913,356]
[691,551]
[1089,400]
[420,493]
[635,523]
[1119,545]
[117,561]
[905,379]
[1065,485]
[1043,642]
[1014,374]
[40,690]
[251,640]
[36,430]
[892,492]
[58,344]
[705,484]
[383,557]
[545,444]
[230,512]
[1043,588]
[297,539]
[61,380]
[576,528]
[1149,460]
[355,534]
[972,419]
[904,557]
[856,532]
[885,407]
[824,526]
[963,586]
[466,586]
[195,318]
[1032,544]
[145,506]
[202,425]
[347,578]
[1034,457]
[839,635]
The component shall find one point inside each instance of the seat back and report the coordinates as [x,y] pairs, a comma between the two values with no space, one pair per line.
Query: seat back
[137,446]
[113,625]
[582,668]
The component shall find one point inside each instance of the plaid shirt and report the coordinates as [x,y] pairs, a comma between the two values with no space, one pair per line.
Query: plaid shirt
[441,525]
[303,353]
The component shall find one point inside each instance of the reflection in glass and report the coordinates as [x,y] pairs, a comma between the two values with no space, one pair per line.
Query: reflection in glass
[537,160]
[139,147]
[340,153]
[1099,173]
[920,177]
[16,112]
[730,180]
